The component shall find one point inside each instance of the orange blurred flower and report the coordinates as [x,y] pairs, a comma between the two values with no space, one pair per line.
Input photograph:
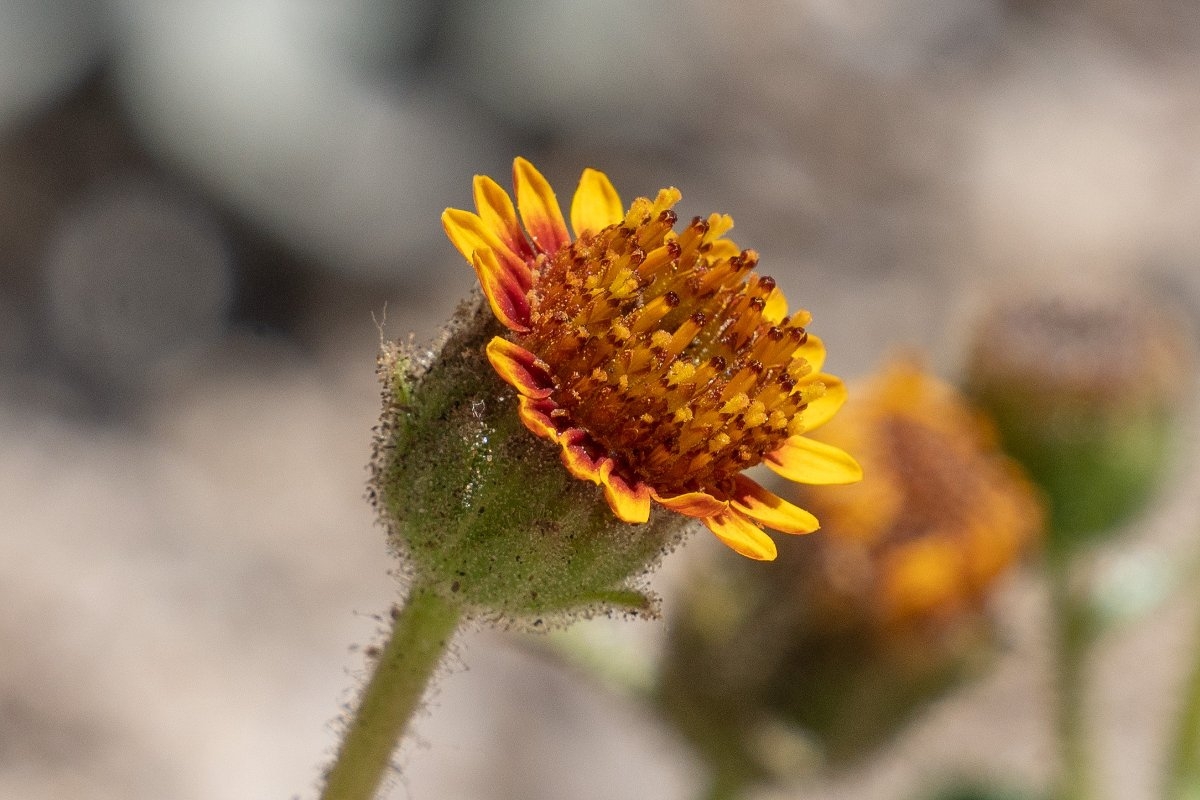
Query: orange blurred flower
[941,512]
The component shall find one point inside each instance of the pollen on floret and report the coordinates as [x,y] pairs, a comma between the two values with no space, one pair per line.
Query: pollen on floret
[735,404]
[624,285]
[679,372]
[755,414]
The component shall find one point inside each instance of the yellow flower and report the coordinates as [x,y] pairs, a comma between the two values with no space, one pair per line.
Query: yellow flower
[942,512]
[660,362]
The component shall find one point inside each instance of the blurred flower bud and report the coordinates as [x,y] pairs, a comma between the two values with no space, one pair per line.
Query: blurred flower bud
[1085,392]
[857,626]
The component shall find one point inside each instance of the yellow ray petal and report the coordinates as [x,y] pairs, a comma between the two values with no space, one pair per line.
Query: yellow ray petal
[813,351]
[497,212]
[520,368]
[630,503]
[596,204]
[693,504]
[923,575]
[470,233]
[769,509]
[576,458]
[777,307]
[505,295]
[742,536]
[539,208]
[804,460]
[822,409]
[535,414]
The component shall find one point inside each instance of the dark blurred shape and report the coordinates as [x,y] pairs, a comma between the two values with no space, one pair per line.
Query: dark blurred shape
[858,626]
[1086,391]
[135,274]
[46,48]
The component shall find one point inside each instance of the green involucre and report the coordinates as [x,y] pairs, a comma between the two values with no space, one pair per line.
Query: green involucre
[483,510]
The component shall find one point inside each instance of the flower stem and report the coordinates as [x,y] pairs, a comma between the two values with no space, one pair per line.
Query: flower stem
[1183,770]
[419,636]
[1075,631]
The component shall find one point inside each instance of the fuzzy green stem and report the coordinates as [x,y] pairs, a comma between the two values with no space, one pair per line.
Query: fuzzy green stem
[1183,770]
[419,637]
[1074,631]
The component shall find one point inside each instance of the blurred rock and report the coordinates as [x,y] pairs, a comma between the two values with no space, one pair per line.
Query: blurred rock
[594,70]
[135,273]
[263,103]
[1079,160]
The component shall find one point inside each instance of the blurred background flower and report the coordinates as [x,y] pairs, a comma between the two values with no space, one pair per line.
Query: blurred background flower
[864,623]
[1087,391]
[204,204]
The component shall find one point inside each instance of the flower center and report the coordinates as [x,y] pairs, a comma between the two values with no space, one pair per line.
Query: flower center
[668,350]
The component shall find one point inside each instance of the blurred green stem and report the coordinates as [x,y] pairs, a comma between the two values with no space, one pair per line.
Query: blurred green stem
[1183,770]
[419,637]
[1075,632]
[725,785]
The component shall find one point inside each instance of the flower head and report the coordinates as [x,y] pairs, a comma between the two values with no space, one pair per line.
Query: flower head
[659,361]
[942,513]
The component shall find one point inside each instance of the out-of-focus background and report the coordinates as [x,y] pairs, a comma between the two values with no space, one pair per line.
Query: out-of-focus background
[207,209]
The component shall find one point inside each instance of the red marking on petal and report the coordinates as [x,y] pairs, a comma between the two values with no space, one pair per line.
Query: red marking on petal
[539,208]
[503,291]
[577,456]
[535,414]
[471,233]
[630,502]
[520,368]
[694,504]
[742,536]
[497,211]
[769,509]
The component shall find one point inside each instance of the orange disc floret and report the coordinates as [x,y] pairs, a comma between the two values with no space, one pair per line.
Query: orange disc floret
[660,361]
